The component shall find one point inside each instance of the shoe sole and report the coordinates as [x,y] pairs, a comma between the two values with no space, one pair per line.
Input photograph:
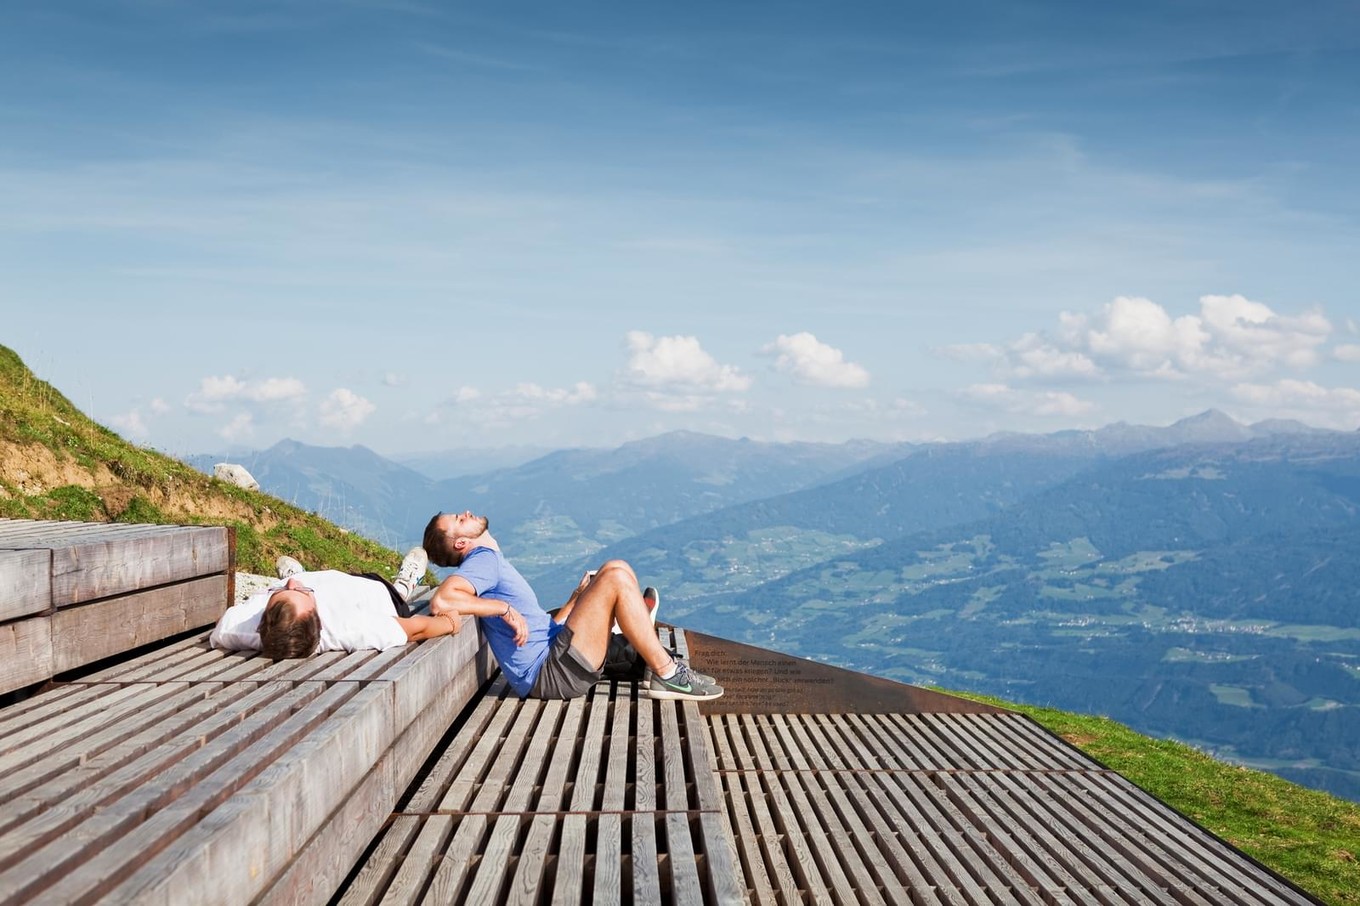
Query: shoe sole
[668,695]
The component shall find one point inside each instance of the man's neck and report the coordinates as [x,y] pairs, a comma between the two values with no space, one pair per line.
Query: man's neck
[485,540]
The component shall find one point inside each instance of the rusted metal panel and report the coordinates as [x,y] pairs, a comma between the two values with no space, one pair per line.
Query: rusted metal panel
[758,681]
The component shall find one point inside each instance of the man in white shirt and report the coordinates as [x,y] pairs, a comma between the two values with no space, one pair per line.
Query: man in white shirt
[327,610]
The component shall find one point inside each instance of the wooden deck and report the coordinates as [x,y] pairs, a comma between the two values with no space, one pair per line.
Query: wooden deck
[74,593]
[616,799]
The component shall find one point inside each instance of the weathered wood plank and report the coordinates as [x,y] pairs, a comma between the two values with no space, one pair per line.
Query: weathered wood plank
[25,652]
[755,870]
[1109,866]
[82,635]
[616,766]
[686,885]
[896,847]
[569,883]
[531,868]
[587,789]
[608,863]
[378,870]
[491,871]
[707,792]
[25,583]
[128,561]
[262,823]
[64,869]
[722,878]
[52,748]
[1018,842]
[1159,820]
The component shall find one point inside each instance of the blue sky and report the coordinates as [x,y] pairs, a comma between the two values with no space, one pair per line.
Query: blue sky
[422,226]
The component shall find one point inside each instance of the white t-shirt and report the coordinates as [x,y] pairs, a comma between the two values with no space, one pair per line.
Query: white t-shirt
[355,613]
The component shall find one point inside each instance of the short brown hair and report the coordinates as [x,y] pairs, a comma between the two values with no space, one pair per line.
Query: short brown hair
[284,634]
[438,544]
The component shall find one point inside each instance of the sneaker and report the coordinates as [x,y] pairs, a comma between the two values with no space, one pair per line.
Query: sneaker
[652,598]
[287,567]
[412,571]
[685,684]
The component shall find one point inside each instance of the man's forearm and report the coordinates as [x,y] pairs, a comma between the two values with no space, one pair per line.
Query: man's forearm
[455,601]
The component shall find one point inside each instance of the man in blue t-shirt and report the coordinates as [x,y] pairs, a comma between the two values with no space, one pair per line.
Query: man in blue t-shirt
[559,656]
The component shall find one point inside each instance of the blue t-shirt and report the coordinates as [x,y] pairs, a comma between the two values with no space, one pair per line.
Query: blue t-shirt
[492,576]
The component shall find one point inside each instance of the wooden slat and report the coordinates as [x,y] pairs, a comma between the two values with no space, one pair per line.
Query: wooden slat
[63,868]
[1017,842]
[755,868]
[81,635]
[270,813]
[25,652]
[25,583]
[129,561]
[608,862]
[842,863]
[873,808]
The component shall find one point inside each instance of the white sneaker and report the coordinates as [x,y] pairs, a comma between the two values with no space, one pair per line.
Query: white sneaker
[412,571]
[287,567]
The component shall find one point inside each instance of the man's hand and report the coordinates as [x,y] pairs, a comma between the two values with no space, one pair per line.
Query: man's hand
[516,622]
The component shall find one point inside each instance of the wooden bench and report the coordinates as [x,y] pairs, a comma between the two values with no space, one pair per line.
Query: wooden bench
[74,593]
[188,775]
[607,798]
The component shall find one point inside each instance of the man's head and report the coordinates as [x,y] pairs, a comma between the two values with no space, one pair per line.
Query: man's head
[290,626]
[450,536]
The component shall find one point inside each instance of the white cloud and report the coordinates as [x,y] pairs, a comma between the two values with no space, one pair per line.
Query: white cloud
[1032,356]
[1026,402]
[159,406]
[1230,338]
[1332,407]
[811,361]
[1347,352]
[973,352]
[345,409]
[130,423]
[680,364]
[581,392]
[272,389]
[242,426]
[1139,335]
[393,379]
[214,393]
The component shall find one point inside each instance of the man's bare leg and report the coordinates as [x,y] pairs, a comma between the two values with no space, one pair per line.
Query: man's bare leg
[613,595]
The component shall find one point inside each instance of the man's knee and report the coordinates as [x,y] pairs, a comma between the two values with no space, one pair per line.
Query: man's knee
[617,571]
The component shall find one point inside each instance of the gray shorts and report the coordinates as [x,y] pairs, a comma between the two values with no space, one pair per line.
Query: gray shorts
[565,672]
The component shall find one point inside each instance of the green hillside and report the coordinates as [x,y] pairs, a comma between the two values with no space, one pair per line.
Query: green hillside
[56,463]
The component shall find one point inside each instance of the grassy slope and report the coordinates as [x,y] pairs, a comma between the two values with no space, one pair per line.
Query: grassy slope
[1311,838]
[55,463]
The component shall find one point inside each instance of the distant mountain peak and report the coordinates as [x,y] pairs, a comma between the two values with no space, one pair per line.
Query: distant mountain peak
[1209,417]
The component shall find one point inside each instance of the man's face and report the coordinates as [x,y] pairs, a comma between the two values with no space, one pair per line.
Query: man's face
[465,525]
[301,598]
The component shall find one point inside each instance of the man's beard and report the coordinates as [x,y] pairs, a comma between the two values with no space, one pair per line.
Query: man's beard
[486,526]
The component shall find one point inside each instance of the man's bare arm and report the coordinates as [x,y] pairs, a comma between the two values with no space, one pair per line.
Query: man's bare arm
[418,628]
[455,595]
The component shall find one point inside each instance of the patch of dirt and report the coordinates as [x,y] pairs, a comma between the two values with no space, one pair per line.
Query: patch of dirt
[35,469]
